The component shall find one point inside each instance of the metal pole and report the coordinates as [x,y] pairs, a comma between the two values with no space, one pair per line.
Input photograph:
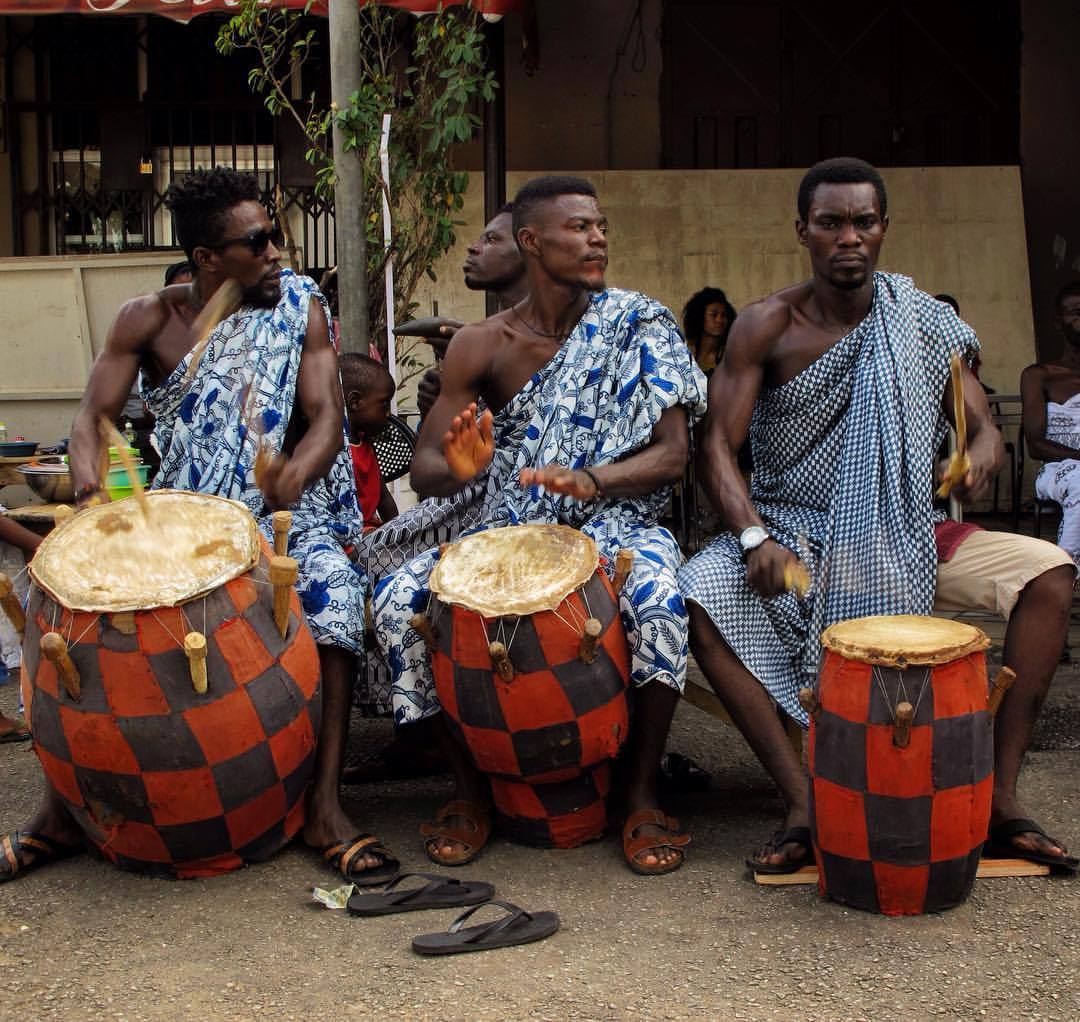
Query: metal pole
[349,189]
[495,136]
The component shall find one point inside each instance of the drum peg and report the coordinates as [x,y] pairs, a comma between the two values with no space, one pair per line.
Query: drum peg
[281,522]
[808,700]
[421,623]
[500,660]
[589,639]
[55,650]
[624,561]
[905,714]
[195,648]
[283,572]
[443,547]
[10,602]
[1002,683]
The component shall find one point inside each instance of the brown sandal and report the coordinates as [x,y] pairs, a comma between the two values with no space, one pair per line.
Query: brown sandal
[473,833]
[634,846]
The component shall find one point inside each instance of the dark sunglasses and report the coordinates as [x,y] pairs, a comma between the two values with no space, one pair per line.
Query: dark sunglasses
[256,241]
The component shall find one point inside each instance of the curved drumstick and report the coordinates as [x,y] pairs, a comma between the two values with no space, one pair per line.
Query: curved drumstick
[959,463]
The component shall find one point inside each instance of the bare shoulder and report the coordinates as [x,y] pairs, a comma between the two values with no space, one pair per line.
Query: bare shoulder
[140,320]
[761,324]
[478,340]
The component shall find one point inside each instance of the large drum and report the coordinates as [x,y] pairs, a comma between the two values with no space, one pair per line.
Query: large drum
[168,711]
[531,666]
[901,763]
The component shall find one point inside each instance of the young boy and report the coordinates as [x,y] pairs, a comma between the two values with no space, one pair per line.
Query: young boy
[17,545]
[368,389]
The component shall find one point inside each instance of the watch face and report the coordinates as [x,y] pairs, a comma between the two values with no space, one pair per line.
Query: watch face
[752,537]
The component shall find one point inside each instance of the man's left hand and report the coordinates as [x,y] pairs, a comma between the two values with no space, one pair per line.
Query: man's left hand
[975,481]
[560,479]
[281,484]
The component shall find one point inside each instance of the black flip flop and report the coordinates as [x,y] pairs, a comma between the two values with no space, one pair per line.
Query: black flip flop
[791,836]
[516,927]
[439,892]
[999,845]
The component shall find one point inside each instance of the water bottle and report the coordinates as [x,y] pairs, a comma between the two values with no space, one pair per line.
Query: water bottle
[129,432]
[3,433]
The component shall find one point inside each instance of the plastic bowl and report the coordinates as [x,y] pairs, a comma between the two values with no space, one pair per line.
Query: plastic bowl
[20,449]
[118,485]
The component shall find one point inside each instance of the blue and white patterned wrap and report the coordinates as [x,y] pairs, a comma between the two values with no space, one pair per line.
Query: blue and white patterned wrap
[248,372]
[596,401]
[843,476]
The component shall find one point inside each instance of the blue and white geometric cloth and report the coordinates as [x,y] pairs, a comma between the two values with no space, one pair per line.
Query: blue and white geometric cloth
[247,376]
[596,401]
[843,476]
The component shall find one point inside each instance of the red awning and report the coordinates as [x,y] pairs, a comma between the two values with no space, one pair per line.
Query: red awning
[184,10]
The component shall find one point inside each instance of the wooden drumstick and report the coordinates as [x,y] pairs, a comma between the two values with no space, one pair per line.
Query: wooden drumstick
[195,648]
[797,577]
[421,623]
[809,701]
[624,561]
[500,660]
[55,650]
[63,514]
[1002,683]
[589,639]
[905,714]
[10,602]
[283,572]
[282,523]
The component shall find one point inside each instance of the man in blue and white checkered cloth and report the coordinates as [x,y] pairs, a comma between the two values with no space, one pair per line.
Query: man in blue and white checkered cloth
[843,385]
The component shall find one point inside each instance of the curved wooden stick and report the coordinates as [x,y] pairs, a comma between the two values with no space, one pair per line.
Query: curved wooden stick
[55,650]
[11,605]
[195,648]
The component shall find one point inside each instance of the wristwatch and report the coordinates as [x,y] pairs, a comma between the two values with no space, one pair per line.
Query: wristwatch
[751,538]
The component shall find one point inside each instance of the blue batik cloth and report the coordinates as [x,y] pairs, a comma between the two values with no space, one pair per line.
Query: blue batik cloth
[595,402]
[247,375]
[843,476]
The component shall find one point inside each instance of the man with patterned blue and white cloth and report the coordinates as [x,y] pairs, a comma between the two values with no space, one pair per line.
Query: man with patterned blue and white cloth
[590,391]
[843,384]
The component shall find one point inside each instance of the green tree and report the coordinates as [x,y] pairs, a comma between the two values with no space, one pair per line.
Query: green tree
[428,73]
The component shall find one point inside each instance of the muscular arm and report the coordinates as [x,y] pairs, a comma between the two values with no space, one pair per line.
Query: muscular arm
[1033,394]
[464,369]
[110,381]
[318,396]
[985,447]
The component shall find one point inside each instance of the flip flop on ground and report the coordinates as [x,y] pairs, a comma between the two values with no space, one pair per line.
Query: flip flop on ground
[516,927]
[26,850]
[472,833]
[1001,845]
[636,847]
[438,892]
[791,836]
[341,855]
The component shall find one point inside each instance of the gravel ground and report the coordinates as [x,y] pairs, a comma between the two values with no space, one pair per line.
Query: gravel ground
[82,940]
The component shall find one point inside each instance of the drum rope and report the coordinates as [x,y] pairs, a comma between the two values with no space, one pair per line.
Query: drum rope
[168,630]
[901,686]
[84,631]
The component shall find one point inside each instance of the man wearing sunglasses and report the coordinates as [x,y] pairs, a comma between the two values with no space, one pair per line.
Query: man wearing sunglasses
[266,382]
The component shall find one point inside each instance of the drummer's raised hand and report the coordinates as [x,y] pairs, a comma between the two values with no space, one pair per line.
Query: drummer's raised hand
[560,479]
[468,445]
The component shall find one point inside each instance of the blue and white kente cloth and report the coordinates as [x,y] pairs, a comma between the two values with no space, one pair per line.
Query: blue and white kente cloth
[843,476]
[247,377]
[596,401]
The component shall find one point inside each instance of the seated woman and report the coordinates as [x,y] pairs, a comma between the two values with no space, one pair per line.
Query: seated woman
[707,320]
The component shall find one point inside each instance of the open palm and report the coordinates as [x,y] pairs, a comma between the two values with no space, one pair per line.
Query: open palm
[468,444]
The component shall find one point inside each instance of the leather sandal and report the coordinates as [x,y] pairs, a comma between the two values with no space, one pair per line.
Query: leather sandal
[473,832]
[633,847]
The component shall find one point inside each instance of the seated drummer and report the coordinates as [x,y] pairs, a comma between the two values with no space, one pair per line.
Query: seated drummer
[846,378]
[591,390]
[268,378]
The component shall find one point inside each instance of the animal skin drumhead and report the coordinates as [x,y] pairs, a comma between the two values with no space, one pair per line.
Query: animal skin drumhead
[112,558]
[901,639]
[514,571]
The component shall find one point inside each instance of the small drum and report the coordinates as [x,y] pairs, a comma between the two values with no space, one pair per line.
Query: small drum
[531,666]
[901,763]
[168,712]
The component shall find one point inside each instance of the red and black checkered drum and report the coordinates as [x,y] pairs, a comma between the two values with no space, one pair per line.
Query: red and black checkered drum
[901,763]
[168,711]
[531,666]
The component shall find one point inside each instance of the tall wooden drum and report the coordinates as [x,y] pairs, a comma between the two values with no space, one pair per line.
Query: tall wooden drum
[531,666]
[901,763]
[169,711]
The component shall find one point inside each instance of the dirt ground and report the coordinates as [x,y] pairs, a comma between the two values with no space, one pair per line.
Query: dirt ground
[82,940]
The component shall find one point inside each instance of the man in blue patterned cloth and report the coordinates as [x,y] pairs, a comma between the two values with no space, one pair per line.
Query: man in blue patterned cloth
[267,376]
[843,385]
[590,392]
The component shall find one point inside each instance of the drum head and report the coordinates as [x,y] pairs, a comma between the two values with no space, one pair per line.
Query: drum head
[110,558]
[515,571]
[903,639]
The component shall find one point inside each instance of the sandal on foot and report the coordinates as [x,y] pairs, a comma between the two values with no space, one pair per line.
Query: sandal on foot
[1000,845]
[439,892]
[473,833]
[341,855]
[516,927]
[791,836]
[25,850]
[633,846]
[13,730]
